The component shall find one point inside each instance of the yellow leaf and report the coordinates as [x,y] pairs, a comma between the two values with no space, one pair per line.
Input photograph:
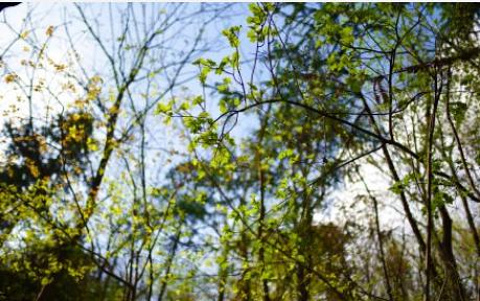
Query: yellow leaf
[24,34]
[10,78]
[33,168]
[92,145]
[60,67]
[49,31]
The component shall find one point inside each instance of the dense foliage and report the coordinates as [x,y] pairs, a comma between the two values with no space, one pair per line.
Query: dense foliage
[326,152]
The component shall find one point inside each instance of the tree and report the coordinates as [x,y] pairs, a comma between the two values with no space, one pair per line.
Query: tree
[55,184]
[328,153]
[377,79]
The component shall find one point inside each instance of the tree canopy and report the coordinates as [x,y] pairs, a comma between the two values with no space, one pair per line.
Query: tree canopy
[268,151]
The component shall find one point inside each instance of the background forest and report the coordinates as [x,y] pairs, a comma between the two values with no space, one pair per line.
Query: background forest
[307,151]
